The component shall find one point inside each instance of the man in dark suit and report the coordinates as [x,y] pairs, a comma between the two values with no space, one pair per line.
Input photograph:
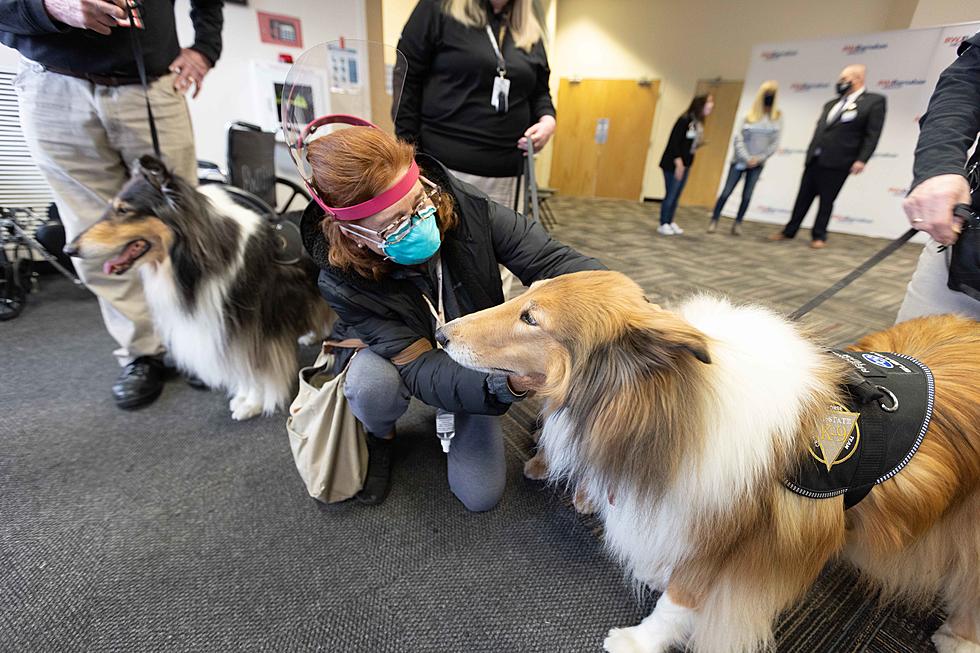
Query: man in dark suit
[845,138]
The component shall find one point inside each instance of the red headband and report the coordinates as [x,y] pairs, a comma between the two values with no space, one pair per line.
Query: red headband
[377,203]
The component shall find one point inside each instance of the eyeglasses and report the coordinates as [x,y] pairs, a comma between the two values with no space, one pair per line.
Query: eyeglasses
[399,228]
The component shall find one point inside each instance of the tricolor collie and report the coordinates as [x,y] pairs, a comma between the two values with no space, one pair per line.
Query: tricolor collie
[684,425]
[226,310]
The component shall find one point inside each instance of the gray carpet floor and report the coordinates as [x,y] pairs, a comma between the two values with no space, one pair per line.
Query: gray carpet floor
[173,528]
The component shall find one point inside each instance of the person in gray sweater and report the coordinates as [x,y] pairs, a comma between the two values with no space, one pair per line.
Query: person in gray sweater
[756,139]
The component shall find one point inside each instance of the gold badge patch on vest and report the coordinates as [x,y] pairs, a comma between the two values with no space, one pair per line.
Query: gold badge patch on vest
[838,438]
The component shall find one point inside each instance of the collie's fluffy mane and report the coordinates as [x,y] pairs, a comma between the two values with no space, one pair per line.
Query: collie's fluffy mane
[204,243]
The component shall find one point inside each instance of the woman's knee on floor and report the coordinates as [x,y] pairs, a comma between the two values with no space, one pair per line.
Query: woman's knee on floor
[477,465]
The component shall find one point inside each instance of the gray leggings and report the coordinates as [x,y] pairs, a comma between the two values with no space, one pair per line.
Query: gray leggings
[476,467]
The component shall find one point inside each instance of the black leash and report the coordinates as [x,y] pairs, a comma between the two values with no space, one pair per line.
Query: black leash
[136,24]
[885,252]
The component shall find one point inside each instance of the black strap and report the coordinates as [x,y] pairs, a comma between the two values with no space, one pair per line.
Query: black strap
[872,455]
[141,67]
[885,252]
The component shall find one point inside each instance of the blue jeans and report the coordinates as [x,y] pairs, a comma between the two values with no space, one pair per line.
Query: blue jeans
[674,188]
[734,175]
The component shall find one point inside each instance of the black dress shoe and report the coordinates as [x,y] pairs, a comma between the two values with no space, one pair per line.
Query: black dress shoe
[378,478]
[140,383]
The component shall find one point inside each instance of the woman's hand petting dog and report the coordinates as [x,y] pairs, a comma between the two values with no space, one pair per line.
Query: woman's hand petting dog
[522,384]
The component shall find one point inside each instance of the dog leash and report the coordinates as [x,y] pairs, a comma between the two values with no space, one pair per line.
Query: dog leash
[884,253]
[962,211]
[135,24]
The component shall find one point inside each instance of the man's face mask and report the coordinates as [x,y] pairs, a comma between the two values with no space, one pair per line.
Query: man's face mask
[843,87]
[768,99]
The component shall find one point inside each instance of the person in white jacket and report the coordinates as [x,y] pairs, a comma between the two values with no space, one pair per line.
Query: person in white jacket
[756,139]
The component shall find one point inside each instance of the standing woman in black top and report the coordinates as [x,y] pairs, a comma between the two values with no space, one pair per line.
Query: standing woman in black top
[476,89]
[686,137]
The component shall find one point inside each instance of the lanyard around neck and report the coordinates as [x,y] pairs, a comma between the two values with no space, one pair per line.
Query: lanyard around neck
[440,315]
[501,64]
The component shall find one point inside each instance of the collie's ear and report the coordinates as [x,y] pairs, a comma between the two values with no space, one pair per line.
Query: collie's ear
[667,335]
[153,170]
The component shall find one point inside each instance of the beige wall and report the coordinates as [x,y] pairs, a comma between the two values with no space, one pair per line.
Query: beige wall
[680,42]
[943,12]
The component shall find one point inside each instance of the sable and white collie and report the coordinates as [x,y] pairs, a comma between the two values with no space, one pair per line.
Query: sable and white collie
[226,310]
[682,426]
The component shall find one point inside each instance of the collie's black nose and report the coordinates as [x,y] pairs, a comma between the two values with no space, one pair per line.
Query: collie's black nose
[70,249]
[441,337]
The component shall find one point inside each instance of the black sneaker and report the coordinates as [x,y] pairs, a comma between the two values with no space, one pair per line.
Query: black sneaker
[378,479]
[140,383]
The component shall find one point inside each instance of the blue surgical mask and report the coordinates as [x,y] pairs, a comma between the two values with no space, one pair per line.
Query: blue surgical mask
[419,244]
[415,242]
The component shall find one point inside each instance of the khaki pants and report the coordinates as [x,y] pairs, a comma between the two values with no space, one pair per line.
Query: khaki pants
[501,190]
[84,138]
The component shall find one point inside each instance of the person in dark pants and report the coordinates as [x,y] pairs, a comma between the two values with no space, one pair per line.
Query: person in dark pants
[846,136]
[83,115]
[755,141]
[948,130]
[685,138]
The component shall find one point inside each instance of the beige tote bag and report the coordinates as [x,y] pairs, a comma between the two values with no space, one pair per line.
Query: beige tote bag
[327,440]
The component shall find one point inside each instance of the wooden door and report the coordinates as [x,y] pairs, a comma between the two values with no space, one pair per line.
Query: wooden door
[602,137]
[702,183]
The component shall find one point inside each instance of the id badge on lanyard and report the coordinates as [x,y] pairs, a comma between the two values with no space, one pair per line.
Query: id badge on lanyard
[501,85]
[445,421]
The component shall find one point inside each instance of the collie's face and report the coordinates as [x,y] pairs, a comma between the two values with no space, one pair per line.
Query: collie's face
[130,232]
[561,322]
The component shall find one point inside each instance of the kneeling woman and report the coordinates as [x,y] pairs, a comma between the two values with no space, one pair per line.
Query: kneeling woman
[404,246]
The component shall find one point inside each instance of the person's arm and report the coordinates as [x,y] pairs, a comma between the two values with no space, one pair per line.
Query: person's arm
[194,63]
[36,17]
[738,141]
[208,18]
[525,248]
[417,44]
[429,374]
[949,129]
[950,124]
[774,143]
[872,132]
[26,18]
[542,108]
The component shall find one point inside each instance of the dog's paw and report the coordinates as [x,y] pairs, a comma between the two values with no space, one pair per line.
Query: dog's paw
[583,504]
[627,640]
[235,402]
[245,411]
[536,468]
[308,339]
[947,641]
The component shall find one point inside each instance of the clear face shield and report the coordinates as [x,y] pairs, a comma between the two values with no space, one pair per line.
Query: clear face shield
[336,85]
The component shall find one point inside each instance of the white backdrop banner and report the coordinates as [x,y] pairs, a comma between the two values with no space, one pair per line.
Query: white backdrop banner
[903,66]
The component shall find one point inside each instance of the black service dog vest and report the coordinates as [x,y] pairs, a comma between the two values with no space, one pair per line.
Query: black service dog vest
[874,434]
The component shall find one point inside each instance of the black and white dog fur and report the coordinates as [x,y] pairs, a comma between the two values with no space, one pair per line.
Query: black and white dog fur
[226,310]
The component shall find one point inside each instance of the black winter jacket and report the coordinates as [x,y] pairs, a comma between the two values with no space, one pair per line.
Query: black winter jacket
[26,27]
[391,314]
[843,142]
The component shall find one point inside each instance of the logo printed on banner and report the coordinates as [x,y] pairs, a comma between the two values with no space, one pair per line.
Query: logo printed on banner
[954,41]
[895,191]
[785,151]
[765,208]
[803,87]
[861,48]
[884,155]
[892,84]
[771,55]
[850,219]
